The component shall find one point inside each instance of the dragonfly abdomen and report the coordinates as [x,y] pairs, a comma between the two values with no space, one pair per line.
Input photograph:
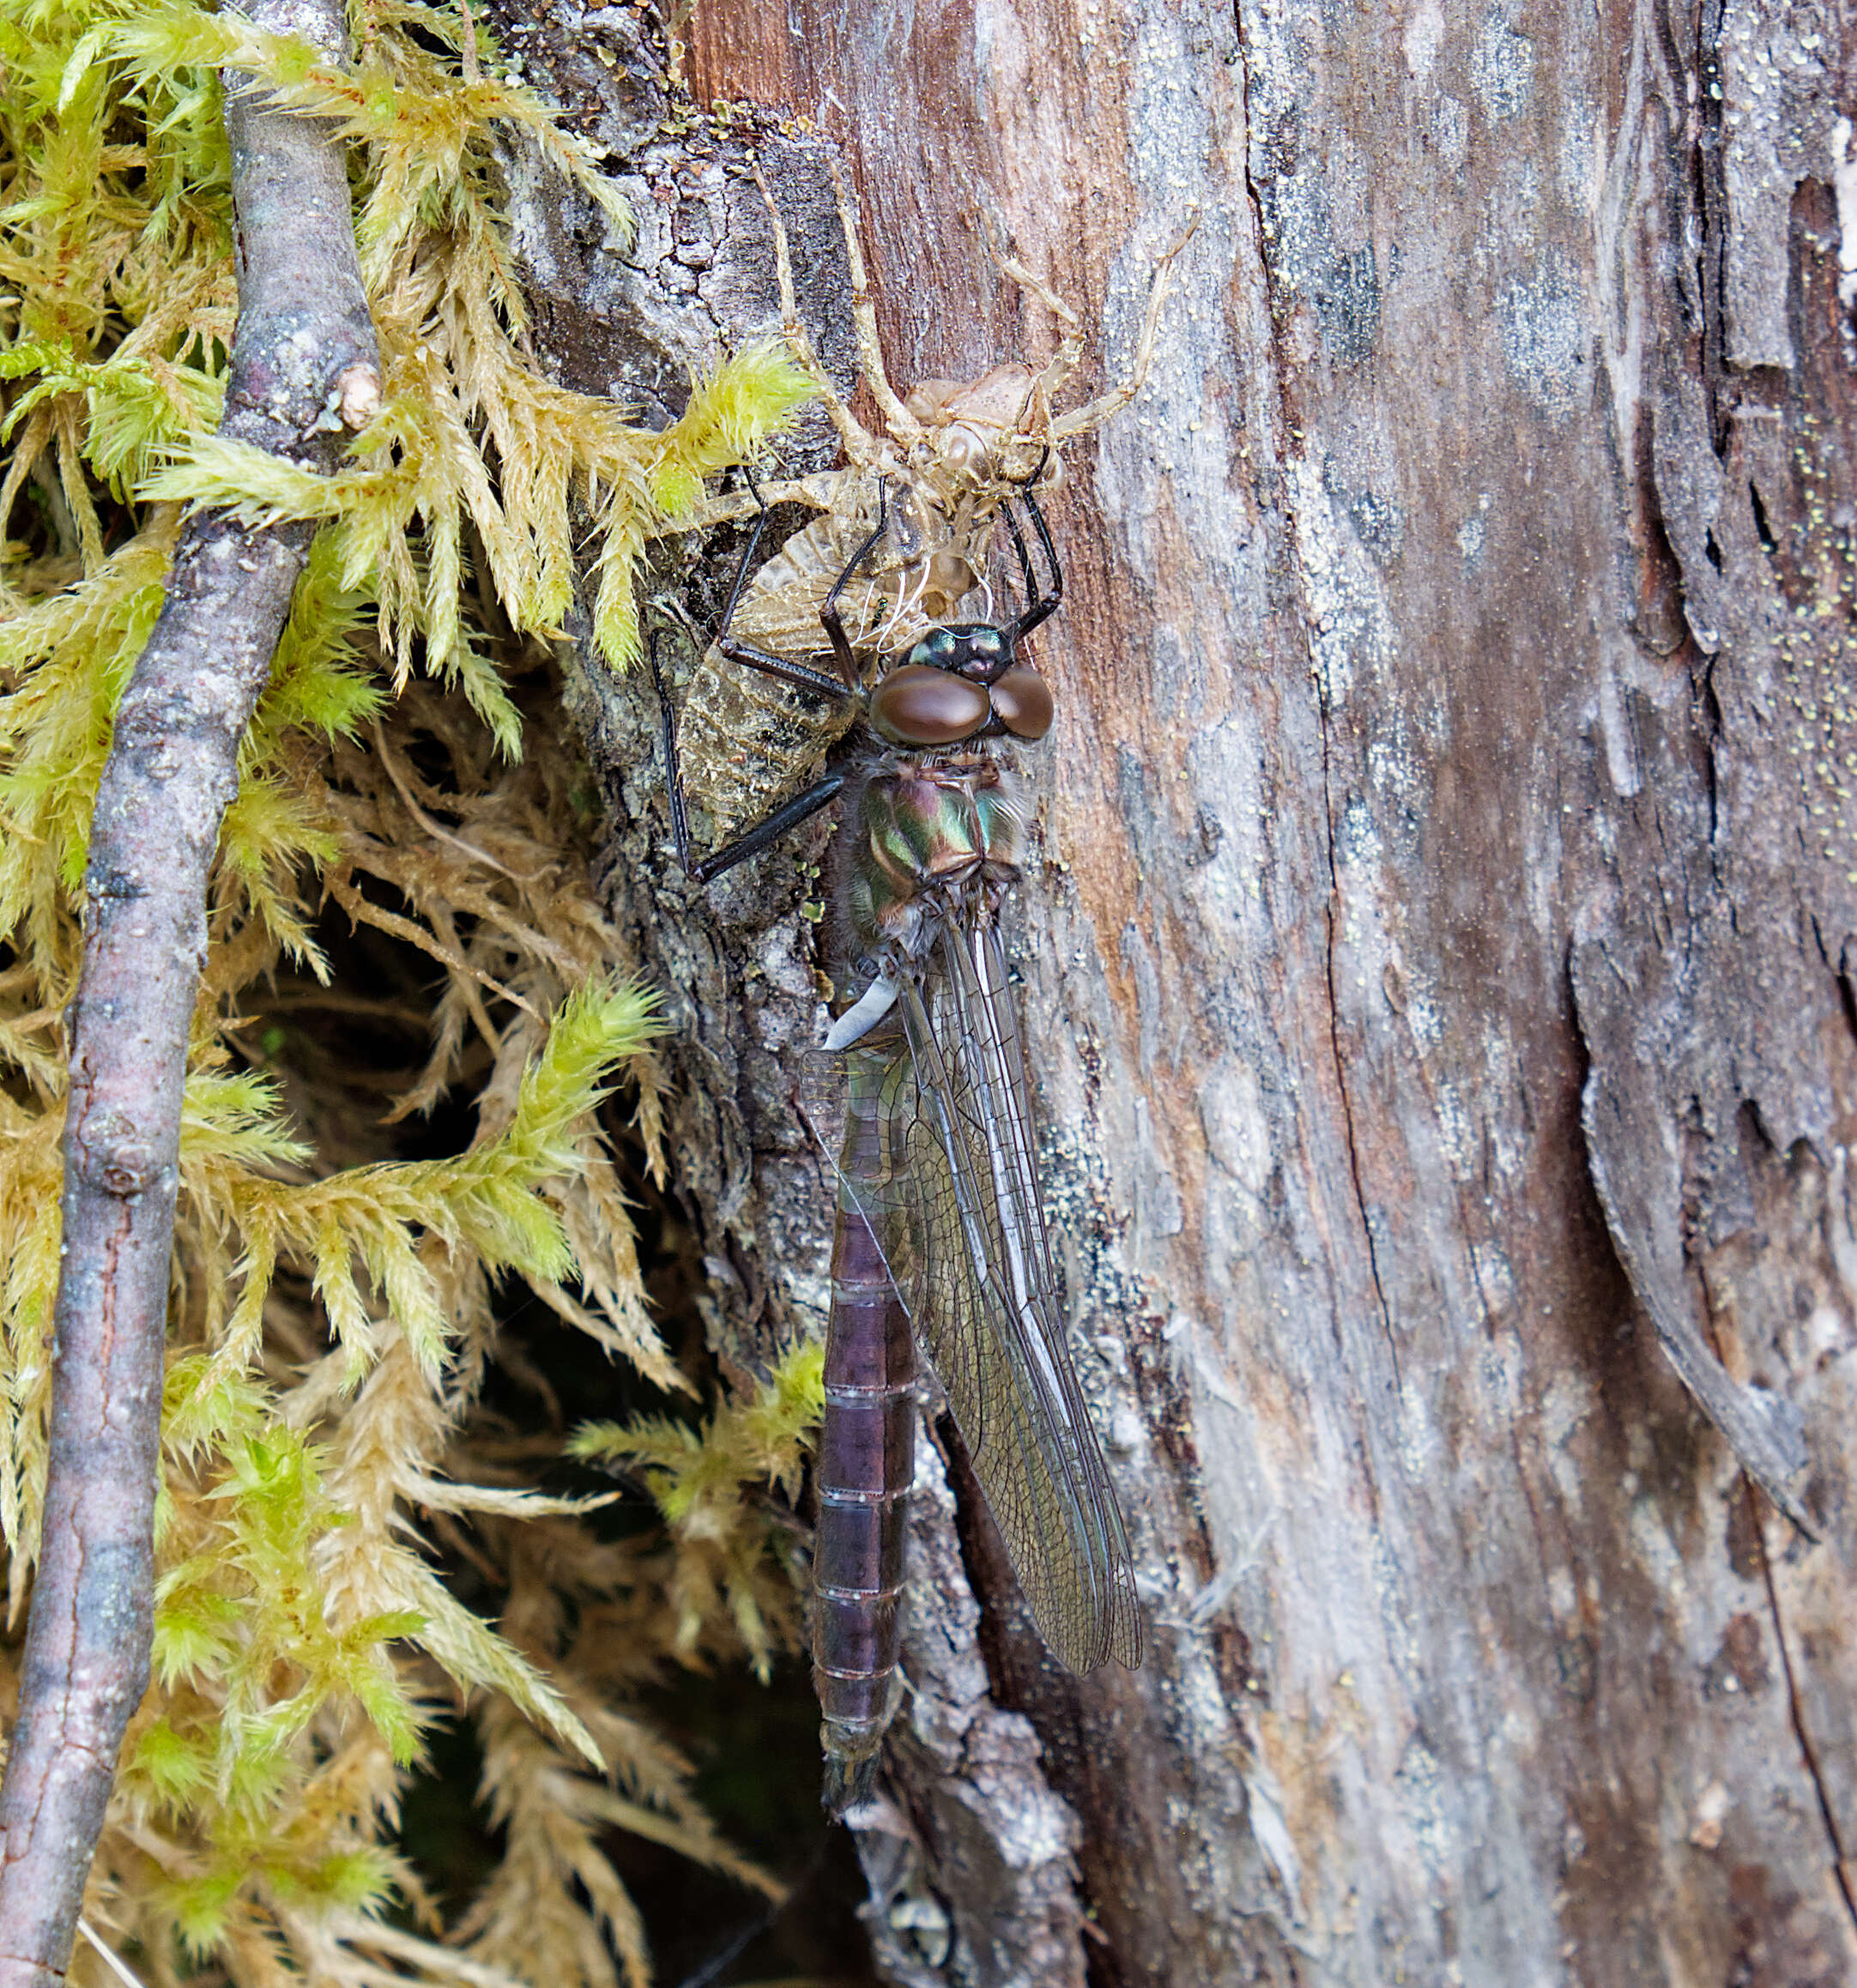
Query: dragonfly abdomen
[867,1463]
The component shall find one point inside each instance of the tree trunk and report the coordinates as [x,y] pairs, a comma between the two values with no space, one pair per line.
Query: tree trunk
[1435,963]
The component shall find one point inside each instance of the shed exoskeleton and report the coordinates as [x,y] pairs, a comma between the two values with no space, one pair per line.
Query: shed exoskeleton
[921,497]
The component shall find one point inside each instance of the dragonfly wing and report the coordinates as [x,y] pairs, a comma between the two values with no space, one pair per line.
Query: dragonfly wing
[987,1316]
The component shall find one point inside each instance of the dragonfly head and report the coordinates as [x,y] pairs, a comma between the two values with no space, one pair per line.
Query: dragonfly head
[959,684]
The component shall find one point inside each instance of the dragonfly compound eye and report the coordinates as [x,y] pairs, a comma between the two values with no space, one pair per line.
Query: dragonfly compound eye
[1022,702]
[916,704]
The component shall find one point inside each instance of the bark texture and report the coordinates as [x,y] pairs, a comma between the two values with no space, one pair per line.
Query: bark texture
[1438,981]
[304,369]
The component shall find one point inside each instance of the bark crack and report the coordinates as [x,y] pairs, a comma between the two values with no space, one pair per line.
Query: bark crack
[1712,198]
[1276,308]
[1334,1043]
[1796,1710]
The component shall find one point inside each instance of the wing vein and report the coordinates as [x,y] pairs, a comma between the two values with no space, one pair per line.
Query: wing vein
[987,1318]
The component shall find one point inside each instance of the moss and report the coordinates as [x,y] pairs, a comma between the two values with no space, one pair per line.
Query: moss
[329,1467]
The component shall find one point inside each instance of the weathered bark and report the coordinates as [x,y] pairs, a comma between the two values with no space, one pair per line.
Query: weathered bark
[304,370]
[1437,978]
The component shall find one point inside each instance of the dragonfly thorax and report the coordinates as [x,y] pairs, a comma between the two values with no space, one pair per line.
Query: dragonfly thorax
[936,831]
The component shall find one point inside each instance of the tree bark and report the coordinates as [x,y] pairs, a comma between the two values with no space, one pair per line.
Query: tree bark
[305,370]
[1437,973]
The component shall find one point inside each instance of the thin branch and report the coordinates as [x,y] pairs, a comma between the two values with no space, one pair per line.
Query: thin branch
[305,368]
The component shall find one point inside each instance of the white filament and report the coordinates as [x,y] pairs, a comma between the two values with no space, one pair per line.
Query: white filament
[870,1007]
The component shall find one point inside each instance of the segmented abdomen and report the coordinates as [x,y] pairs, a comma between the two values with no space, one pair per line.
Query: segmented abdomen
[867,1451]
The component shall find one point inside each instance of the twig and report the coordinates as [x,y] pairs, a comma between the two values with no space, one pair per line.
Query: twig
[305,367]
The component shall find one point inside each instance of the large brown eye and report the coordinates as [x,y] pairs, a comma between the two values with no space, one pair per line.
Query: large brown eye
[916,704]
[1022,702]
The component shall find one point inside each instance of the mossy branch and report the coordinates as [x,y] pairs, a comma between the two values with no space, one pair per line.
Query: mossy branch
[333,1320]
[305,365]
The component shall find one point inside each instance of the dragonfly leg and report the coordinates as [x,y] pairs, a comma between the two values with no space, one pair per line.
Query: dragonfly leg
[751,841]
[1063,361]
[753,545]
[680,811]
[903,424]
[828,615]
[860,445]
[1039,605]
[745,653]
[1093,413]
[797,674]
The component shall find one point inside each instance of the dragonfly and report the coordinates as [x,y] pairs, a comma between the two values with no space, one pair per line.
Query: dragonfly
[941,1241]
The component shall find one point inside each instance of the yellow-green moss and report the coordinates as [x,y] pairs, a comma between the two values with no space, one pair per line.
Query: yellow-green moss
[332,1322]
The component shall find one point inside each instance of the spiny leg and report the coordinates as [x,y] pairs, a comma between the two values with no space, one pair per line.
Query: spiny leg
[760,659]
[903,425]
[753,545]
[1039,605]
[1035,611]
[859,444]
[680,811]
[752,841]
[814,492]
[1063,361]
[1081,419]
[777,824]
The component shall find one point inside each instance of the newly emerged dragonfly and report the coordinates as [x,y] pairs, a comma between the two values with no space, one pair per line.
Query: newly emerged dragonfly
[940,1240]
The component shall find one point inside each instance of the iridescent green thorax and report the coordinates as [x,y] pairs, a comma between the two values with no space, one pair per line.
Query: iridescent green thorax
[932,830]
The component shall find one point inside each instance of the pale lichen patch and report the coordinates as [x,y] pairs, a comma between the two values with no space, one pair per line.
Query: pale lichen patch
[1502,70]
[1542,319]
[1350,627]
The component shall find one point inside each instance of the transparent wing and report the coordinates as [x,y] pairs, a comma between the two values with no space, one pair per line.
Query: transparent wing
[986,1315]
